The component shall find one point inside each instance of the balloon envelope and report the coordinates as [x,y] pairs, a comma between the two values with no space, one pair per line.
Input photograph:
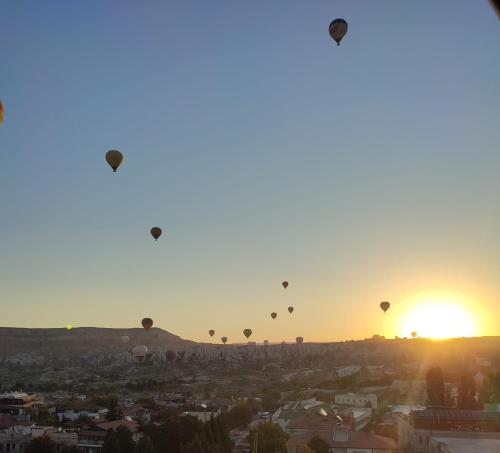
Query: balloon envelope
[139,352]
[147,323]
[414,334]
[285,284]
[1,112]
[274,315]
[224,340]
[156,232]
[211,332]
[114,158]
[247,332]
[385,306]
[299,340]
[290,310]
[338,29]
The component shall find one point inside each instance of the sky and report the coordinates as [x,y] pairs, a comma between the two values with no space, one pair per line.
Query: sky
[359,173]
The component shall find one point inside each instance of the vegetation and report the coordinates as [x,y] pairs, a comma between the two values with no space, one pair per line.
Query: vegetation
[435,387]
[268,438]
[318,445]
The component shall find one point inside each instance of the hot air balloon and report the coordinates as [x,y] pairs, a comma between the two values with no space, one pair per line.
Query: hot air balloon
[224,340]
[414,334]
[247,332]
[211,332]
[69,327]
[114,158]
[1,112]
[156,232]
[274,315]
[170,355]
[139,352]
[285,284]
[299,340]
[338,29]
[266,342]
[125,339]
[147,323]
[385,306]
[290,310]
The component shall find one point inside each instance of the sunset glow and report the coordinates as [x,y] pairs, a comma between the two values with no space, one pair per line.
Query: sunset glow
[439,317]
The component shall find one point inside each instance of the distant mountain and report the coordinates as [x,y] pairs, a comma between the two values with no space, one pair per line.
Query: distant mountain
[84,340]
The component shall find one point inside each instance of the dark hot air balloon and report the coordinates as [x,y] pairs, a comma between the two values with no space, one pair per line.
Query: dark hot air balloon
[156,232]
[385,306]
[285,284]
[247,332]
[211,332]
[274,315]
[224,340]
[170,355]
[290,310]
[338,29]
[147,323]
[114,158]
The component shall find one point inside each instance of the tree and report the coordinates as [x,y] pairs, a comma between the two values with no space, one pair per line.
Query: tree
[269,438]
[111,443]
[318,445]
[238,417]
[435,386]
[124,436]
[41,444]
[145,445]
[467,393]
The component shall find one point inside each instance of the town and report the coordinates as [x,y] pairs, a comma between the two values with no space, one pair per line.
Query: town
[375,395]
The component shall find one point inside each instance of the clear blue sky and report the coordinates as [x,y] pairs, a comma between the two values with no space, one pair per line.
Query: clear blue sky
[359,173]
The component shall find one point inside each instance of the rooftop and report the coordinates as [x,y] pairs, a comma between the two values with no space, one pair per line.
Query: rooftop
[354,440]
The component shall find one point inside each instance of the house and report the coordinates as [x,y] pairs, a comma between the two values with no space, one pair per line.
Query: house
[357,399]
[20,404]
[416,429]
[91,438]
[81,410]
[13,439]
[464,445]
[344,442]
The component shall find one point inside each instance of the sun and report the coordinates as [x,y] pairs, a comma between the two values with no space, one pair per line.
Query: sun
[439,317]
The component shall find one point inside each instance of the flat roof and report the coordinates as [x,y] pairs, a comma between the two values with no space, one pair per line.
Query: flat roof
[468,445]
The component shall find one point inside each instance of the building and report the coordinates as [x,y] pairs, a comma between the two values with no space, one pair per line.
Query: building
[13,439]
[357,399]
[91,438]
[344,442]
[81,411]
[416,429]
[464,445]
[20,404]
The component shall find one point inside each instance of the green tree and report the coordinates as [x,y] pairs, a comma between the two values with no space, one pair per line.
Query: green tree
[124,436]
[435,387]
[238,417]
[42,444]
[268,438]
[111,443]
[467,393]
[318,445]
[145,445]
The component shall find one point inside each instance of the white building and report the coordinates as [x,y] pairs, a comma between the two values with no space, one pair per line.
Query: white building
[357,399]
